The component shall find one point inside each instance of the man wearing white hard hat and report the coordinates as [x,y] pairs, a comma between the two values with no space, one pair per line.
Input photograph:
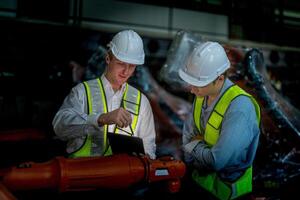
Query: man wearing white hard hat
[221,135]
[108,104]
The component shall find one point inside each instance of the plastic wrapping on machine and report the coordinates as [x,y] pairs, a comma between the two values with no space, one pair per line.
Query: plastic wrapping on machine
[181,47]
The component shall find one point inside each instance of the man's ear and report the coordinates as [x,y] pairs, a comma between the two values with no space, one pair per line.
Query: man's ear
[107,59]
[222,77]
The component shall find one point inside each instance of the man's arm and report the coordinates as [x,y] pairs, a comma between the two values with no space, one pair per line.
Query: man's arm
[238,130]
[189,137]
[72,120]
[146,129]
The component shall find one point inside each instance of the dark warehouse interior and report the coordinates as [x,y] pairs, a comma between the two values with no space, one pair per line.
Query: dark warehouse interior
[43,43]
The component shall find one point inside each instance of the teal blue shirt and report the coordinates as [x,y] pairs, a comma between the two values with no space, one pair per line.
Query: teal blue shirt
[236,147]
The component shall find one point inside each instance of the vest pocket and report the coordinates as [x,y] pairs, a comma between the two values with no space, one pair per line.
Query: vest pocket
[213,184]
[244,183]
[207,182]
[222,190]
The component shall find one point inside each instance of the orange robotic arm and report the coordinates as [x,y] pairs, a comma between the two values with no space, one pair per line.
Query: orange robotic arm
[5,194]
[117,171]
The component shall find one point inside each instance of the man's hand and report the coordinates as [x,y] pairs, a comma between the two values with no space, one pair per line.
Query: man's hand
[198,137]
[193,142]
[190,146]
[120,117]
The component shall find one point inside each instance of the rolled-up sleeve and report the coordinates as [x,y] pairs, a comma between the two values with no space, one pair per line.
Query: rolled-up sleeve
[146,128]
[188,133]
[72,120]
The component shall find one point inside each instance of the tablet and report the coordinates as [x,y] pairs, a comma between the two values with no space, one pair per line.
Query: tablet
[125,144]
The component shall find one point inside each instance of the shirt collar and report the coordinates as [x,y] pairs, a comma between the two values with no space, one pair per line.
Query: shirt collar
[107,85]
[226,85]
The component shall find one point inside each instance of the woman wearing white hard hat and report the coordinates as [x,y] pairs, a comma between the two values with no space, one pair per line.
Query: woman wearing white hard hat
[221,135]
[108,104]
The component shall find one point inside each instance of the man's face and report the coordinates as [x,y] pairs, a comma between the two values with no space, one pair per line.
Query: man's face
[118,72]
[202,91]
[211,89]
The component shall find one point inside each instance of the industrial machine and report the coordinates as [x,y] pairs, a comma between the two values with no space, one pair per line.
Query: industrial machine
[91,173]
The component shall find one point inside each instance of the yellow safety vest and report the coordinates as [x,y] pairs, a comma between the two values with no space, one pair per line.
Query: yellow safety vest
[96,102]
[211,182]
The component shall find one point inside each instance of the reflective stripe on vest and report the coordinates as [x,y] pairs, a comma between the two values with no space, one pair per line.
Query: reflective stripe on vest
[211,182]
[97,103]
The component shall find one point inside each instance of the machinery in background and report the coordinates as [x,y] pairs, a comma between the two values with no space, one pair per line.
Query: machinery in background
[90,173]
[277,162]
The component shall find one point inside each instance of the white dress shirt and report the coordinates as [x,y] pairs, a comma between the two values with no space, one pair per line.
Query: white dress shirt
[72,123]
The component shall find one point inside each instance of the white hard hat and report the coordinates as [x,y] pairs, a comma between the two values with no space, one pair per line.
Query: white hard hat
[127,46]
[207,61]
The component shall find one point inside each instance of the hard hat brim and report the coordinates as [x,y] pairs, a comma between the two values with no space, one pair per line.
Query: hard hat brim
[128,60]
[192,80]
